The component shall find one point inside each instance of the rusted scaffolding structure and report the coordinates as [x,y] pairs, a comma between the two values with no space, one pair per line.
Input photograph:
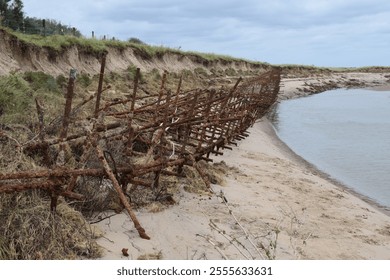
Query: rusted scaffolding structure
[151,136]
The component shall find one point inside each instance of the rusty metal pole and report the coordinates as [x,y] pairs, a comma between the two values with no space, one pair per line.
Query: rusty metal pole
[64,131]
[68,104]
[133,98]
[122,196]
[100,85]
[156,181]
[160,94]
[178,91]
[40,120]
[45,146]
[187,130]
[207,115]
[131,114]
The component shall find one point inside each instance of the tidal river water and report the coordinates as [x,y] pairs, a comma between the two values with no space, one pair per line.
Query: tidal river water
[345,133]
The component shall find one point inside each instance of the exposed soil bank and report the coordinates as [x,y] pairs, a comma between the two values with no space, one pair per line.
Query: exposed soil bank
[16,55]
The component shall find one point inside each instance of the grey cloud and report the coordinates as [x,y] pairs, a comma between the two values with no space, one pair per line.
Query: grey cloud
[267,30]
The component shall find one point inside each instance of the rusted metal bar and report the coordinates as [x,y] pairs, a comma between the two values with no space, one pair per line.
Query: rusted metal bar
[186,129]
[59,172]
[68,104]
[9,188]
[206,118]
[122,196]
[100,85]
[223,105]
[131,115]
[163,80]
[156,181]
[57,121]
[178,91]
[55,141]
[41,132]
[64,131]
[41,124]
[72,195]
[73,181]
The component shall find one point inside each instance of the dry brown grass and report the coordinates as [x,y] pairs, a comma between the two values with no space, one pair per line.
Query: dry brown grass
[30,231]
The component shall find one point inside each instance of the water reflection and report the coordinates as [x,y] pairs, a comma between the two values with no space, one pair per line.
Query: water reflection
[343,132]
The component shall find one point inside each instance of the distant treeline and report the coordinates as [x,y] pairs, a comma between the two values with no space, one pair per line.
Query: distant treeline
[12,16]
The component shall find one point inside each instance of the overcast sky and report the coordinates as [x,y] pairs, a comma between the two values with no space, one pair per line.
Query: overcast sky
[311,32]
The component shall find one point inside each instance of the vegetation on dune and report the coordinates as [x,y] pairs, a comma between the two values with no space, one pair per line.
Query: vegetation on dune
[18,92]
[15,97]
[59,43]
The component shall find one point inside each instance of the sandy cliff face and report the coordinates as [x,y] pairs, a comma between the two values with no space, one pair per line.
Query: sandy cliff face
[16,55]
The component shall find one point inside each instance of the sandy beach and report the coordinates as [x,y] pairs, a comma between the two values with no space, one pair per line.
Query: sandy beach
[272,205]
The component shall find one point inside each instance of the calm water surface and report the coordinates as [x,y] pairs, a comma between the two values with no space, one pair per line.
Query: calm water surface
[345,133]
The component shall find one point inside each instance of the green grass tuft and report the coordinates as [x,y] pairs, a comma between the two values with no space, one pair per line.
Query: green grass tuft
[41,81]
[15,97]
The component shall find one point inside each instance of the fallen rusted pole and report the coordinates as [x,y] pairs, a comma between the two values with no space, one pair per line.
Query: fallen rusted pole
[8,188]
[122,196]
[60,172]
[99,128]
[158,165]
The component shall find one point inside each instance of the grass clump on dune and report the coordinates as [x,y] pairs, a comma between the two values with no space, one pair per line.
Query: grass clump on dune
[58,43]
[29,230]
[18,93]
[15,98]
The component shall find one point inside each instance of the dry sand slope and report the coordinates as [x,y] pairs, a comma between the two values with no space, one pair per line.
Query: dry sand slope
[280,209]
